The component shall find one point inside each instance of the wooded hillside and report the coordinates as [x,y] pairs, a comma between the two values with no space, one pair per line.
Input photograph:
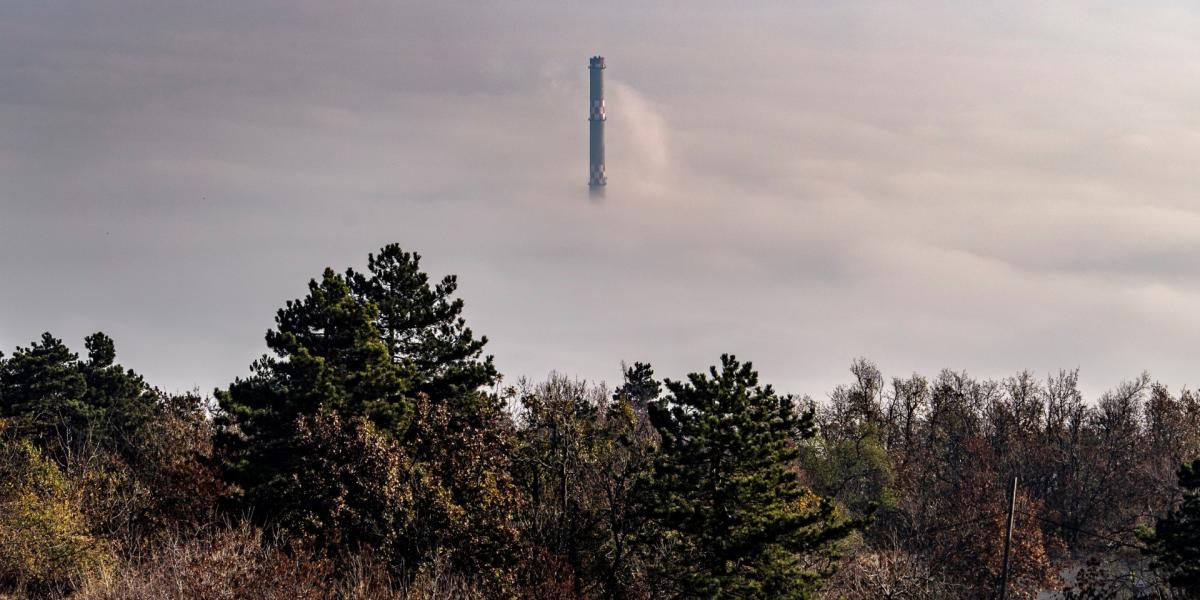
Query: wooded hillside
[375,451]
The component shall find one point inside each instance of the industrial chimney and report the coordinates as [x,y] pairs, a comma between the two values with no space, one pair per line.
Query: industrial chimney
[596,117]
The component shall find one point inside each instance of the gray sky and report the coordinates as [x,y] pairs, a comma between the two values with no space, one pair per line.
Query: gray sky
[938,184]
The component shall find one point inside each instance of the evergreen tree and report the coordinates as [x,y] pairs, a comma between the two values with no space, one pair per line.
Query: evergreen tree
[1175,541]
[122,401]
[422,325]
[42,388]
[64,403]
[728,489]
[460,438]
[328,356]
[640,386]
[323,440]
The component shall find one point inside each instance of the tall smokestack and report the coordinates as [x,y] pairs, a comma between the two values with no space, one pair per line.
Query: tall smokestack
[596,117]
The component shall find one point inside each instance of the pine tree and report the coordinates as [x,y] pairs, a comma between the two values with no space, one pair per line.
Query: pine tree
[42,388]
[328,357]
[64,403]
[728,490]
[459,439]
[120,398]
[423,326]
[336,438]
[1175,541]
[639,387]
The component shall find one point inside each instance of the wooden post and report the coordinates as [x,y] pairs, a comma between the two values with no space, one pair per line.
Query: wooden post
[1012,505]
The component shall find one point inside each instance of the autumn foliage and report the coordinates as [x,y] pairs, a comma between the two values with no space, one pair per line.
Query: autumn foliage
[375,452]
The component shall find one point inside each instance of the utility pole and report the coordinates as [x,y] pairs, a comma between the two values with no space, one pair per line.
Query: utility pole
[1012,505]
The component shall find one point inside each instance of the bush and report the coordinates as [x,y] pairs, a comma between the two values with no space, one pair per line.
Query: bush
[173,460]
[349,490]
[239,562]
[44,539]
[231,562]
[890,573]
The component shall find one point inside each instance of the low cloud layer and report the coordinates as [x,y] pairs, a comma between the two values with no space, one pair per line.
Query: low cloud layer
[933,185]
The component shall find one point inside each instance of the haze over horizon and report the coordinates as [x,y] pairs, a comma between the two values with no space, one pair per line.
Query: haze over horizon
[931,186]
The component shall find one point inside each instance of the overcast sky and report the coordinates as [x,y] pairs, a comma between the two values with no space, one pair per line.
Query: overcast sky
[982,186]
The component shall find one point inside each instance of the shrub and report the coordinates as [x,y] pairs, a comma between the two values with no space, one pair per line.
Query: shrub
[239,562]
[223,563]
[349,488]
[872,574]
[44,539]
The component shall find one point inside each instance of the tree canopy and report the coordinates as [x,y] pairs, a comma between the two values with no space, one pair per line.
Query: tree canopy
[372,453]
[728,487]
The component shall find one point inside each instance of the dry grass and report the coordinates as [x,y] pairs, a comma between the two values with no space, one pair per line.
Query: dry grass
[236,562]
[889,574]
